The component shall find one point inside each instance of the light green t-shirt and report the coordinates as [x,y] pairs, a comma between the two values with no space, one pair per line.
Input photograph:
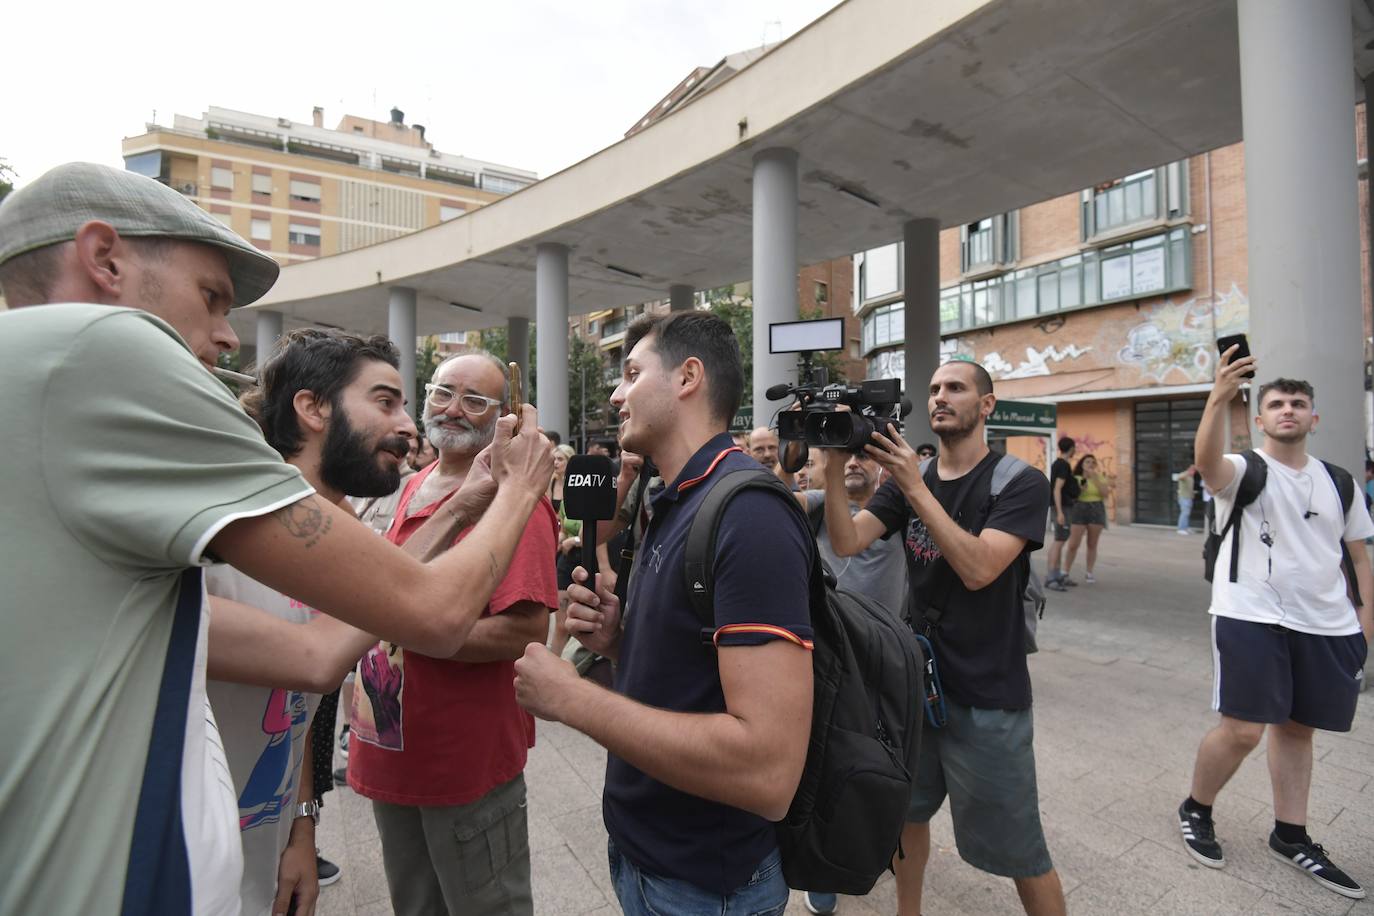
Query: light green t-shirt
[120,460]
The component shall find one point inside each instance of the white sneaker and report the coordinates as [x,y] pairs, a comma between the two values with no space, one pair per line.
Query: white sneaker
[1090,578]
[1185,533]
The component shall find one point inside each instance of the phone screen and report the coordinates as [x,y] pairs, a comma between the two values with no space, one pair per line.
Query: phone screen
[1237,340]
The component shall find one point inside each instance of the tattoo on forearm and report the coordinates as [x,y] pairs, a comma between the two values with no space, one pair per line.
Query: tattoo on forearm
[305,521]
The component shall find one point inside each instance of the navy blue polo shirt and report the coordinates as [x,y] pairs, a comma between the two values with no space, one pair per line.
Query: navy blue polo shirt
[761,593]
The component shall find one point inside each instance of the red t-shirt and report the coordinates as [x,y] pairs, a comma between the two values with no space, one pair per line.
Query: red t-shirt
[438,732]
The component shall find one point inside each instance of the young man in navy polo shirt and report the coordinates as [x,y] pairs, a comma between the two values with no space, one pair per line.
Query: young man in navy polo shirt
[707,742]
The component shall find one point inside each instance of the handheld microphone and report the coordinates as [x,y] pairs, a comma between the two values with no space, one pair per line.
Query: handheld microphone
[589,497]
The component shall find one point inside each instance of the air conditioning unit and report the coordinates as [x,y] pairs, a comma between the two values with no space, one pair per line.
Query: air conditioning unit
[188,188]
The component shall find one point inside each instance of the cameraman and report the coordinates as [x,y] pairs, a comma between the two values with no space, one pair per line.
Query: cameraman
[966,555]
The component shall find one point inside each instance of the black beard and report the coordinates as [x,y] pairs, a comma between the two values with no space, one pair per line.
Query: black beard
[350,464]
[960,432]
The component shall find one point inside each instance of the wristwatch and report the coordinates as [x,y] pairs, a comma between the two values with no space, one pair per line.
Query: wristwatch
[310,809]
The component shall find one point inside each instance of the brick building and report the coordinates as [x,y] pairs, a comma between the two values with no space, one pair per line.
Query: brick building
[1106,303]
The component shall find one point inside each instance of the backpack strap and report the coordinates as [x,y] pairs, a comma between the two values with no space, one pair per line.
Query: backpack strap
[1345,486]
[700,549]
[1007,469]
[1252,482]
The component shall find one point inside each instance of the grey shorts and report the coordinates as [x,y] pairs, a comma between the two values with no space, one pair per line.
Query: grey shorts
[1094,513]
[983,761]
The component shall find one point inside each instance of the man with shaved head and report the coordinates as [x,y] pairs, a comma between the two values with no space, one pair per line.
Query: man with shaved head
[967,557]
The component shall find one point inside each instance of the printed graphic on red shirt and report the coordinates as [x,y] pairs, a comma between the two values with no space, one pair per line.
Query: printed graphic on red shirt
[438,731]
[377,707]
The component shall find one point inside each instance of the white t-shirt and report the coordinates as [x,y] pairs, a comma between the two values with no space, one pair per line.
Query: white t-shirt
[1298,581]
[263,730]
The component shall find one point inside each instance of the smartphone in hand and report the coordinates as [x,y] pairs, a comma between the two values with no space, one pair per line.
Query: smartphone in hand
[1236,340]
[517,390]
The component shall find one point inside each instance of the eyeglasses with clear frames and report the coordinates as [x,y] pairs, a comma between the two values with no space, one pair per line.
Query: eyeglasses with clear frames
[474,404]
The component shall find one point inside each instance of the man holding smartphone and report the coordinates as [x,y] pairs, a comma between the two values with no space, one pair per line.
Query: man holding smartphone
[1289,645]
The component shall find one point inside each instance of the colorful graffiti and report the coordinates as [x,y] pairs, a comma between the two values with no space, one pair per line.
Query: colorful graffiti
[1175,342]
[1036,362]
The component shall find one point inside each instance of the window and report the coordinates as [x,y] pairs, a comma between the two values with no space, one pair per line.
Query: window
[591,328]
[820,292]
[1148,266]
[261,230]
[448,212]
[1153,194]
[147,164]
[308,191]
[880,273]
[500,184]
[884,326]
[223,218]
[221,178]
[303,235]
[989,242]
[262,184]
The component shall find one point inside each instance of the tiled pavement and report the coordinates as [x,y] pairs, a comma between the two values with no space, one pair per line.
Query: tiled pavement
[1121,691]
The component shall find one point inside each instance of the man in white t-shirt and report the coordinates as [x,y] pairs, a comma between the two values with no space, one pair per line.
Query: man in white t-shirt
[1288,644]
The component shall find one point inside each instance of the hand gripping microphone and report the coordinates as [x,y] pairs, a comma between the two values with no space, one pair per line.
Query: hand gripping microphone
[589,497]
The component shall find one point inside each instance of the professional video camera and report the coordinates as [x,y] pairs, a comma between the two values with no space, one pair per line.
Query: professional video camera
[873,404]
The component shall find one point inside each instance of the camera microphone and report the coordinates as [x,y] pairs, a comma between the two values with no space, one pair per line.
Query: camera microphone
[589,496]
[778,391]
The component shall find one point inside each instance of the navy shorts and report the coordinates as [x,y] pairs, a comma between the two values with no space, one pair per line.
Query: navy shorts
[1267,673]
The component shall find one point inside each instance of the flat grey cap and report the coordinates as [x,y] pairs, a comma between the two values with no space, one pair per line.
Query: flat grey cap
[52,207]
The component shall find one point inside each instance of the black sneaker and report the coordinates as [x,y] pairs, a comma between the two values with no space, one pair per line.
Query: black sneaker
[341,777]
[1055,585]
[327,870]
[343,742]
[1309,857]
[1200,837]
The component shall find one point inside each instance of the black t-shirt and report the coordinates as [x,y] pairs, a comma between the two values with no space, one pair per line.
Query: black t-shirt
[980,643]
[1061,470]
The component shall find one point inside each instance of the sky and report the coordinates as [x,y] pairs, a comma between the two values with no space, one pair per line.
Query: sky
[532,84]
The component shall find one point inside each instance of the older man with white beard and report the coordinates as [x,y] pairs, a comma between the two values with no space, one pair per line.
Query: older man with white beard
[439,744]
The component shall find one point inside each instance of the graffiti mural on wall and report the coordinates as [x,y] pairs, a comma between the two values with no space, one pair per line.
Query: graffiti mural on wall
[1163,342]
[1036,362]
[1175,342]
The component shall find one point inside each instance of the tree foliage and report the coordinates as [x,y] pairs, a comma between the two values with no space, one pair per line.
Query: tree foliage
[7,177]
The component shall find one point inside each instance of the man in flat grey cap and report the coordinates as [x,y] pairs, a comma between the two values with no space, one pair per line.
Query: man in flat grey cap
[126,467]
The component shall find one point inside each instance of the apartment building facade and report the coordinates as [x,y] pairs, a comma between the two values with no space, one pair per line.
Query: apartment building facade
[301,190]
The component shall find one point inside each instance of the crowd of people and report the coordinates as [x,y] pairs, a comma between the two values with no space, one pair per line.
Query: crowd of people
[193,575]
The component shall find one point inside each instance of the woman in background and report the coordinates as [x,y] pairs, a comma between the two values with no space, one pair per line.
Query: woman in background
[1089,514]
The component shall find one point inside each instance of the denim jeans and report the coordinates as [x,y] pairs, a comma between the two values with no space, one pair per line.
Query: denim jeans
[644,894]
[1185,509]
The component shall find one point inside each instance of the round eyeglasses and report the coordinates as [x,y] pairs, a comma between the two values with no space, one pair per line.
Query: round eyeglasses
[474,404]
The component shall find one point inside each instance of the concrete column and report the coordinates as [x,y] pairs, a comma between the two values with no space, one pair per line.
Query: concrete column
[518,347]
[921,292]
[269,329]
[775,270]
[681,298]
[1298,108]
[1369,183]
[551,318]
[400,327]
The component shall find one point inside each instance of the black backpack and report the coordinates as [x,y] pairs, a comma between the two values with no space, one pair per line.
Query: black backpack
[845,822]
[1252,481]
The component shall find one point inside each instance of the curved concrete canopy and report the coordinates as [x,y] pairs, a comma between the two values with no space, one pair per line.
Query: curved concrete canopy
[951,109]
